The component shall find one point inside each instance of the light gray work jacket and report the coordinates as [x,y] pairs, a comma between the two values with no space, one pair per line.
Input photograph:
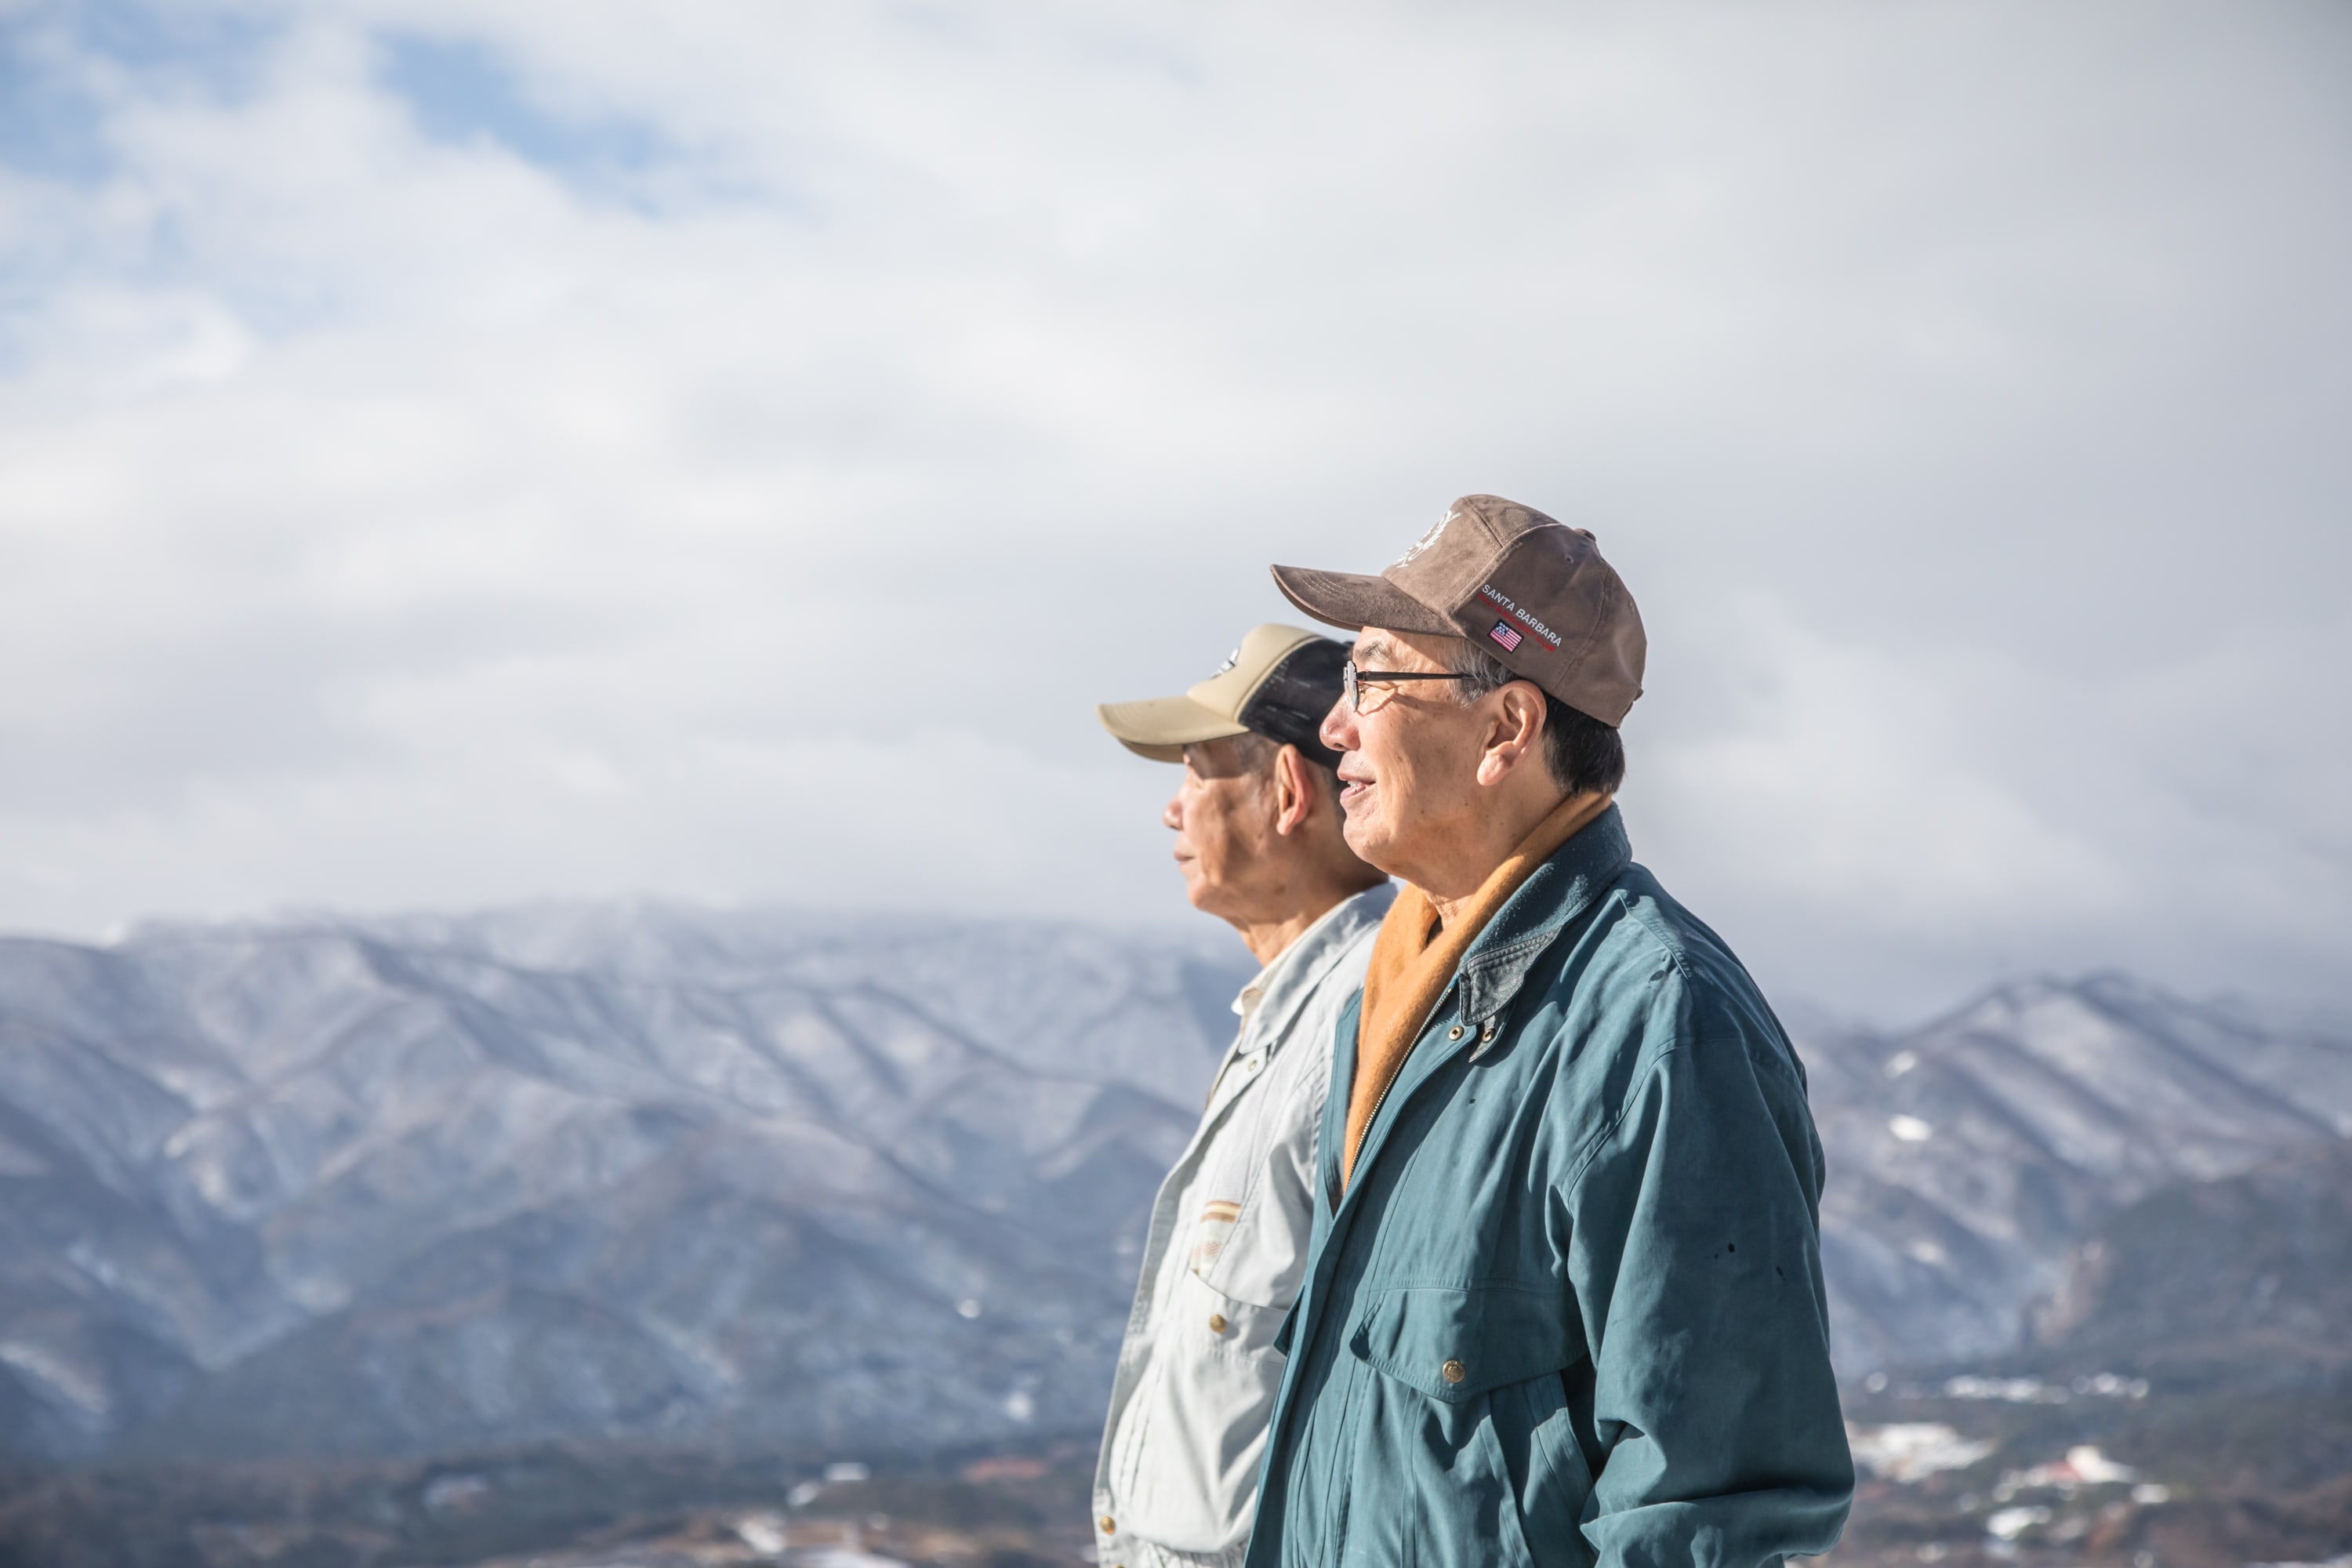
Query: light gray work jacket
[1176,1485]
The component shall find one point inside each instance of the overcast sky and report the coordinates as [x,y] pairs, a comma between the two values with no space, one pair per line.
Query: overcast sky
[460,451]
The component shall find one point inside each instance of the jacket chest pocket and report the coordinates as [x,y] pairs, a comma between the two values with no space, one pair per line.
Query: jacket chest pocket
[1246,1236]
[1455,1345]
[1476,1379]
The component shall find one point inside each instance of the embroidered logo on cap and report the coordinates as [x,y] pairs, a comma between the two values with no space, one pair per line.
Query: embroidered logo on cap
[1503,629]
[1426,540]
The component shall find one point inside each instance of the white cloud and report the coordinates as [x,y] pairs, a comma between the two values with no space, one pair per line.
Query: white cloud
[396,517]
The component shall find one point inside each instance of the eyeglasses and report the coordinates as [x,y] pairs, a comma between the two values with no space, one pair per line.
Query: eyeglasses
[1351,681]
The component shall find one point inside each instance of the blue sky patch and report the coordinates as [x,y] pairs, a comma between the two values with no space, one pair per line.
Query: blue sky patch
[51,123]
[53,56]
[462,92]
[216,49]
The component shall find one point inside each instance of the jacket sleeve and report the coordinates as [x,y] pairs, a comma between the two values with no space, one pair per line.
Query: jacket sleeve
[1694,1251]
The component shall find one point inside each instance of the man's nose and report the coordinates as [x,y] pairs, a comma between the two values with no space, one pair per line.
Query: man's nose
[1338,727]
[1172,814]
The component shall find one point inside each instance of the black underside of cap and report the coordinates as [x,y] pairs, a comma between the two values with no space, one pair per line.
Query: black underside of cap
[1290,703]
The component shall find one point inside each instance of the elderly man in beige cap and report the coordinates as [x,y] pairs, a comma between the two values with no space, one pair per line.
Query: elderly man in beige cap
[1259,839]
[1565,1304]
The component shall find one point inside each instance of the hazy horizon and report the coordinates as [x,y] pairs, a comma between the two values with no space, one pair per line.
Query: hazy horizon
[1185,929]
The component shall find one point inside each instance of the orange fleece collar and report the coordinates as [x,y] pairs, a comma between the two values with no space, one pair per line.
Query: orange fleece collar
[1413,958]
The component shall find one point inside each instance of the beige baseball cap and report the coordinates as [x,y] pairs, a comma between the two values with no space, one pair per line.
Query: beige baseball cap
[1530,591]
[1280,683]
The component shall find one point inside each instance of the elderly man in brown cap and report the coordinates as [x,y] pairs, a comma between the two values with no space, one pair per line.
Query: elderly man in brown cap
[1566,1300]
[1258,837]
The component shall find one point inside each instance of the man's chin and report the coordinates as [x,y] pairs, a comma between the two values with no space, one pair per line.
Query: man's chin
[1208,896]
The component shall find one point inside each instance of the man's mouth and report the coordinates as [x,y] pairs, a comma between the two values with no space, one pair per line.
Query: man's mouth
[1351,789]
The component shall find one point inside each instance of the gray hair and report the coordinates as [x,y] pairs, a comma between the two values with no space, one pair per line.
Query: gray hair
[1582,754]
[1257,752]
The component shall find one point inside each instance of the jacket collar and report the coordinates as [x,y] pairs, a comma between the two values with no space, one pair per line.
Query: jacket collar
[1283,987]
[1562,889]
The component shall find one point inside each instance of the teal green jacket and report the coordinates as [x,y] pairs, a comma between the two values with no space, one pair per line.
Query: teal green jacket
[1570,1310]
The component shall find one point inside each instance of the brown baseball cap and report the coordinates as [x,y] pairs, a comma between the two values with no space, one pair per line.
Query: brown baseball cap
[1280,683]
[1532,591]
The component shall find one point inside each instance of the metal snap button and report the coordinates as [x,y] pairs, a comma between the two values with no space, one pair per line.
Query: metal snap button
[1110,1525]
[1453,1372]
[1454,1032]
[1216,1322]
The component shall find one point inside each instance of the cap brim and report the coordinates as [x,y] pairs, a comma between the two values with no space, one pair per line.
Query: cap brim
[1162,727]
[1351,600]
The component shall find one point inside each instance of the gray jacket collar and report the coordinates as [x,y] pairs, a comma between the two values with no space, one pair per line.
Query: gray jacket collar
[1562,889]
[1285,986]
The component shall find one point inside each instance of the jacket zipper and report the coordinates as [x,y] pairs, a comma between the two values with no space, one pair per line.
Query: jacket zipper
[1358,1148]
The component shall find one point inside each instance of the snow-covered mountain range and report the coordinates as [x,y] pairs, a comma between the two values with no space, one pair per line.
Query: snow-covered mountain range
[1969,1159]
[642,1173]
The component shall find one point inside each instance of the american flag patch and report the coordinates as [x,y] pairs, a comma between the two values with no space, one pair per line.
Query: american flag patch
[1504,634]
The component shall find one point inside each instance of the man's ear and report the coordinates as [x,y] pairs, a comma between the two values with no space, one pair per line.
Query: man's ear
[1517,732]
[1294,792]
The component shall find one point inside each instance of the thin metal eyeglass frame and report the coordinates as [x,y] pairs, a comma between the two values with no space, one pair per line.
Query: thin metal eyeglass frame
[1351,681]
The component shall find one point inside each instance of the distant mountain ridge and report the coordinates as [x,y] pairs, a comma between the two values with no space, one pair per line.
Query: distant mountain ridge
[1969,1156]
[581,1173]
[2241,1284]
[776,1179]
